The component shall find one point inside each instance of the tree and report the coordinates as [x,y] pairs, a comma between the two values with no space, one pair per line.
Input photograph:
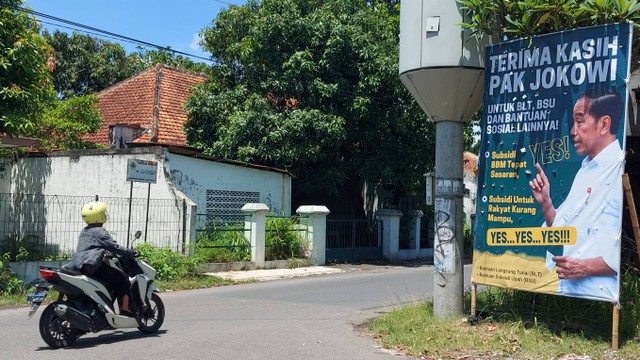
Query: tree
[143,59]
[67,121]
[506,19]
[312,86]
[25,78]
[86,64]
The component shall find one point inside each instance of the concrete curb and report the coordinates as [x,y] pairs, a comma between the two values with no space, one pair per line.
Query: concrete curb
[275,274]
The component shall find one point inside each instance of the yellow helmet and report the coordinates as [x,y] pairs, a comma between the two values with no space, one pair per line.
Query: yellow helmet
[94,212]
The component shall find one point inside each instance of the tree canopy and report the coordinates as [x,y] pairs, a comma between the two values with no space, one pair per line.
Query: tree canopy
[25,79]
[65,123]
[86,64]
[510,19]
[312,86]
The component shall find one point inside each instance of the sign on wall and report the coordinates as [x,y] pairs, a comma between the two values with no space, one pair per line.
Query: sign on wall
[142,171]
[551,163]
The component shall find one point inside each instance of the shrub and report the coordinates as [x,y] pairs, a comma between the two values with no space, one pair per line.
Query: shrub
[169,264]
[282,240]
[9,284]
[228,243]
[223,244]
[22,247]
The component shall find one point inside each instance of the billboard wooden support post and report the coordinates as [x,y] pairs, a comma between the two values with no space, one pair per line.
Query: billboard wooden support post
[636,234]
[632,211]
[473,299]
[614,330]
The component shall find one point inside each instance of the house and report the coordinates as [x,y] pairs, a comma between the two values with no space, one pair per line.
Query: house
[146,108]
[143,121]
[41,194]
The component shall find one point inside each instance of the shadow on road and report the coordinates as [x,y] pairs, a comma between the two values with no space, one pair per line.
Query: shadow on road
[105,339]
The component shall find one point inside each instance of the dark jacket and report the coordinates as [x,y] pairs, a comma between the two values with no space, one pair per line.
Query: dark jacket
[93,242]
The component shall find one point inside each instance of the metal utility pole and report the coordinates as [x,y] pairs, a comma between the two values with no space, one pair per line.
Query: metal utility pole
[442,66]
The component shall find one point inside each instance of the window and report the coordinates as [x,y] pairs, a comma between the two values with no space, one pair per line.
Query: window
[224,206]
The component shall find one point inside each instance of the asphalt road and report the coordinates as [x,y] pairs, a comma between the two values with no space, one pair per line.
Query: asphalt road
[314,317]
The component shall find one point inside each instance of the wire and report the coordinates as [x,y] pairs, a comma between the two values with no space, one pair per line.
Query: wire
[84,31]
[224,2]
[72,25]
[95,31]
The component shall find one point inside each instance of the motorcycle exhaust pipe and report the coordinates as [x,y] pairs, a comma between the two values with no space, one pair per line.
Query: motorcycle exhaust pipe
[74,317]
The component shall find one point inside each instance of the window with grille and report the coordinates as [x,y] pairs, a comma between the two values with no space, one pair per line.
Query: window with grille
[224,206]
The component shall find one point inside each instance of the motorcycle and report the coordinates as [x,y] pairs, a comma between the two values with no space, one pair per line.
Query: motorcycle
[86,305]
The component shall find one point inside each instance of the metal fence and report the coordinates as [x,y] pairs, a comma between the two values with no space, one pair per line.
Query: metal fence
[353,239]
[285,237]
[48,225]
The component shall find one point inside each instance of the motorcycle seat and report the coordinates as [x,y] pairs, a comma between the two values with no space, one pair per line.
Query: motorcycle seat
[69,271]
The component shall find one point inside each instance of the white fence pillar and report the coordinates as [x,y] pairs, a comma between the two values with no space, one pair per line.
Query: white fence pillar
[390,232]
[189,211]
[316,223]
[257,224]
[415,234]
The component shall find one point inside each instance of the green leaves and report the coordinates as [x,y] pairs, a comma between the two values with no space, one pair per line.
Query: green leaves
[518,19]
[312,86]
[64,125]
[25,80]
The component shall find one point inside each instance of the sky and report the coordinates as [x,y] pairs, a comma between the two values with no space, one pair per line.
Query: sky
[174,23]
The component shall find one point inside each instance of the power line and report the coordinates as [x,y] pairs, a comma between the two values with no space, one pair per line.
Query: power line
[84,31]
[224,2]
[105,33]
[72,25]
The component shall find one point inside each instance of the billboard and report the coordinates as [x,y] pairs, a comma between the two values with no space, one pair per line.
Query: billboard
[551,160]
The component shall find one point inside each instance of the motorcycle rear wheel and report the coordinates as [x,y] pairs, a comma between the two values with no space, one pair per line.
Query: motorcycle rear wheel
[152,315]
[54,330]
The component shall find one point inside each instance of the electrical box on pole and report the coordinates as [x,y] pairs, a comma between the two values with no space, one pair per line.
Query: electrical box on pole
[442,66]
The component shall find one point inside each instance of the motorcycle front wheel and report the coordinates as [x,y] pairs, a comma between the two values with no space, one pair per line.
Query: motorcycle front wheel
[152,315]
[55,331]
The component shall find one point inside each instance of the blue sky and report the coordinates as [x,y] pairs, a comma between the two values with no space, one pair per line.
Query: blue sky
[171,23]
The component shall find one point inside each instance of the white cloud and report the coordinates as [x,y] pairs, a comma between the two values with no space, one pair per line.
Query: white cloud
[195,42]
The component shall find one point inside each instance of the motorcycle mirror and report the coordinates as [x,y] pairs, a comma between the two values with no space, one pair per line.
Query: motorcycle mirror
[136,236]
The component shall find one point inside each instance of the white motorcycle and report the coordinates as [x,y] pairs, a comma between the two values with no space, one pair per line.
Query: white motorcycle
[86,305]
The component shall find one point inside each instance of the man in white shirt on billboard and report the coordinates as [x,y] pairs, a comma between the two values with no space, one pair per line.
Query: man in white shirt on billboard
[591,267]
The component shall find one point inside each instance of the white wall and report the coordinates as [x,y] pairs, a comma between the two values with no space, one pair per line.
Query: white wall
[64,176]
[102,173]
[194,176]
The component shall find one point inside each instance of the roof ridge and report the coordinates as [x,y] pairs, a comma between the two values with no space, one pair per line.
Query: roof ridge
[154,68]
[184,71]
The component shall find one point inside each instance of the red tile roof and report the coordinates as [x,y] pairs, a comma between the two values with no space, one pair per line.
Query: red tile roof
[153,100]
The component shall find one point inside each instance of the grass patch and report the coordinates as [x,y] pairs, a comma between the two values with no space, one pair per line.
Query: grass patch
[414,331]
[194,282]
[515,325]
[12,300]
[518,325]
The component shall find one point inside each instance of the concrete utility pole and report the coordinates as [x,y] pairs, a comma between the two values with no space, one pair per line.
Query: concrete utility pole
[448,279]
[443,69]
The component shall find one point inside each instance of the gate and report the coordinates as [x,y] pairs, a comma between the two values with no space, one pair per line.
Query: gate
[353,240]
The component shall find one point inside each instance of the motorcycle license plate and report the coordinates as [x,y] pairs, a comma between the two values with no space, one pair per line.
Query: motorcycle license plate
[35,298]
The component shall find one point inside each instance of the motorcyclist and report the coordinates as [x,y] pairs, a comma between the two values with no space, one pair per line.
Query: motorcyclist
[94,241]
